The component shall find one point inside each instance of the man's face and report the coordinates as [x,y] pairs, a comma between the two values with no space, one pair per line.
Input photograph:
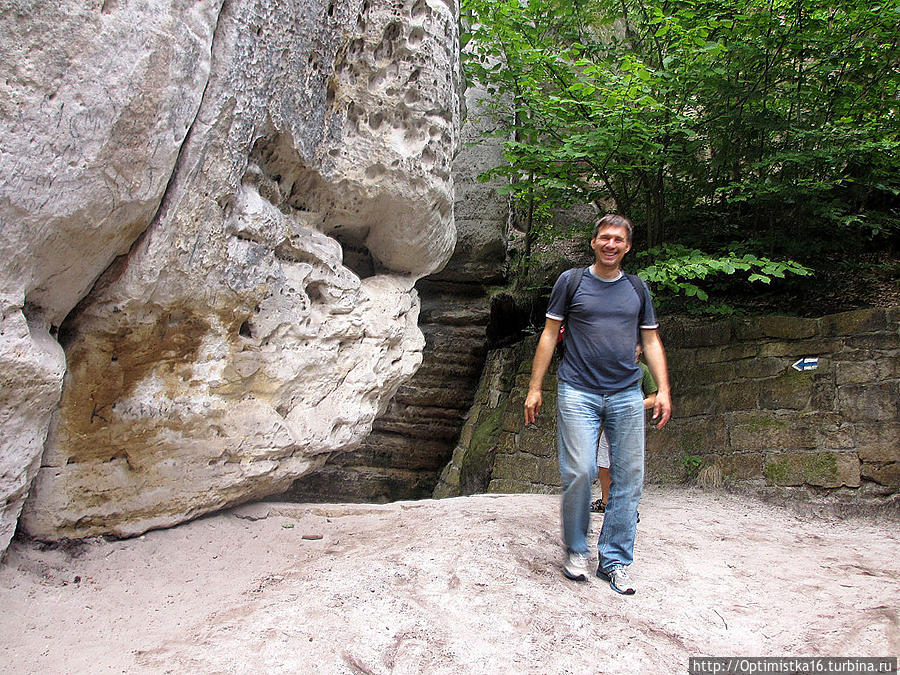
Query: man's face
[610,246]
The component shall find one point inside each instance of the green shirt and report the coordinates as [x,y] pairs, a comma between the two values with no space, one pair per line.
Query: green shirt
[648,384]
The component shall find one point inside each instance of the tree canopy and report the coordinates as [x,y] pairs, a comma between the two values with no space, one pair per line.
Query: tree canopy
[739,135]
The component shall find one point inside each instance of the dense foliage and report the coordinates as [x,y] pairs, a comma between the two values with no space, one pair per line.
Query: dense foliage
[734,128]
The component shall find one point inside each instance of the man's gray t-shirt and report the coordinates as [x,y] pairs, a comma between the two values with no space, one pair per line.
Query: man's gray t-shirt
[601,331]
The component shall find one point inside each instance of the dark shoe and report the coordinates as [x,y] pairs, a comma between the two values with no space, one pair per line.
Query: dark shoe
[598,506]
[618,580]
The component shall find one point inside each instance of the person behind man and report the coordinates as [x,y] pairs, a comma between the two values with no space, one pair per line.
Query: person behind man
[648,389]
[599,386]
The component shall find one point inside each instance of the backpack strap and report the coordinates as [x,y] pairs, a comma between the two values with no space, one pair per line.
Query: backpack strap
[574,282]
[638,284]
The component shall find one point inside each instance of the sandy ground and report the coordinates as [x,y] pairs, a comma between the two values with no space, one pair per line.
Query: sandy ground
[467,585]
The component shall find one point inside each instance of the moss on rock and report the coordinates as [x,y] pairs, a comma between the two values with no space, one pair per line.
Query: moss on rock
[477,463]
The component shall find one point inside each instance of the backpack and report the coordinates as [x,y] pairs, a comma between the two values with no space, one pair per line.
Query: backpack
[574,282]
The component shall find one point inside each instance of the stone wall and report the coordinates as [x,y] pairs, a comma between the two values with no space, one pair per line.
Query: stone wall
[747,411]
[495,451]
[742,412]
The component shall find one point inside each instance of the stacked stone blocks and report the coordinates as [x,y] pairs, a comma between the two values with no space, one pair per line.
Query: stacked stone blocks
[741,409]
[496,452]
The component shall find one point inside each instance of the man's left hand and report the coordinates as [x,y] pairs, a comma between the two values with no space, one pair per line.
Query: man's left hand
[662,409]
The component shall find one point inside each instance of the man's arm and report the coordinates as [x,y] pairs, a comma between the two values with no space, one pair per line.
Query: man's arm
[655,356]
[542,357]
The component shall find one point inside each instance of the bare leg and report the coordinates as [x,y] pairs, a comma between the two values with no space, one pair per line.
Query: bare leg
[603,475]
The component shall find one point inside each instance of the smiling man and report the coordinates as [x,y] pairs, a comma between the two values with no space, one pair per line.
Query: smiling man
[606,314]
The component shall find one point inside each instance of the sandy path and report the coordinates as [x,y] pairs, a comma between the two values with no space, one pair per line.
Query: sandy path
[467,585]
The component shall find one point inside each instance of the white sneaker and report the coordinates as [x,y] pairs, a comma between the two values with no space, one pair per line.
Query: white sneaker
[618,580]
[576,567]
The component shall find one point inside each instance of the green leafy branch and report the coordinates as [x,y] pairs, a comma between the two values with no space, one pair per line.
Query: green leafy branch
[676,268]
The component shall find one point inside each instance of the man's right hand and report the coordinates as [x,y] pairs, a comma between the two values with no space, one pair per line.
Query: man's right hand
[542,357]
[532,405]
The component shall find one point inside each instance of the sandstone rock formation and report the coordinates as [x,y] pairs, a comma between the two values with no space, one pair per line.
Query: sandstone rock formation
[414,438]
[95,104]
[257,185]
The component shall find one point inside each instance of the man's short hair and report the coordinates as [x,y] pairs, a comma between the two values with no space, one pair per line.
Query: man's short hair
[614,220]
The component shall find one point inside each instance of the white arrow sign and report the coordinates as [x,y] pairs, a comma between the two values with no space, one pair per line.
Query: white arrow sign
[806,363]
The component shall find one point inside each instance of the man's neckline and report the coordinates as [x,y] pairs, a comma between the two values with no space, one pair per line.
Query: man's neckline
[599,278]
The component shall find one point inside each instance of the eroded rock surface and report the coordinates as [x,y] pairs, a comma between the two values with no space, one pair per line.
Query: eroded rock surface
[267,312]
[94,105]
[414,439]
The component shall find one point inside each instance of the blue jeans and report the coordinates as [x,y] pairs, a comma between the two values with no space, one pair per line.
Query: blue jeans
[580,415]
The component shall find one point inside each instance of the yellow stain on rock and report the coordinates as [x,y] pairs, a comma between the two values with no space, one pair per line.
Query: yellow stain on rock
[104,368]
